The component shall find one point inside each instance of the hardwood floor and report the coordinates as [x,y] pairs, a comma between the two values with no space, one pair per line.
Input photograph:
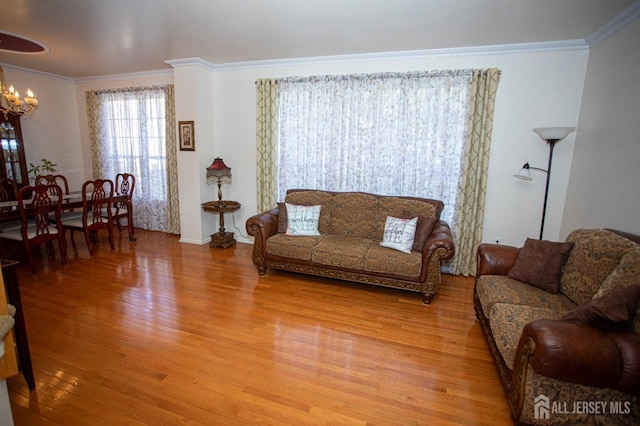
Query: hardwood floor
[161,332]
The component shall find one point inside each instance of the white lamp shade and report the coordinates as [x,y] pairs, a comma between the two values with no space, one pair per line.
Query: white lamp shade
[554,133]
[524,174]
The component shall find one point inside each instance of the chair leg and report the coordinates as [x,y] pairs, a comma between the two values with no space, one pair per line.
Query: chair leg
[87,237]
[62,245]
[49,249]
[111,242]
[32,263]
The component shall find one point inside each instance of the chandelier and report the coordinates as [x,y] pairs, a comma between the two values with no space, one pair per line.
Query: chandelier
[10,102]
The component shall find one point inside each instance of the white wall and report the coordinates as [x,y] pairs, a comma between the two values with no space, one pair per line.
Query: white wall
[53,132]
[539,87]
[604,188]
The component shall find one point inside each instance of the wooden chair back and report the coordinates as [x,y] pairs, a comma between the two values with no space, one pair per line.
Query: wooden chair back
[125,185]
[53,180]
[40,212]
[97,199]
[97,196]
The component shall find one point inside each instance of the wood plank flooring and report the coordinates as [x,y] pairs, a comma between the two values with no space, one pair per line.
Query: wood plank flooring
[161,332]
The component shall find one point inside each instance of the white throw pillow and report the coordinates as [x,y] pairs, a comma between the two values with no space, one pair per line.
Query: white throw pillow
[302,220]
[399,233]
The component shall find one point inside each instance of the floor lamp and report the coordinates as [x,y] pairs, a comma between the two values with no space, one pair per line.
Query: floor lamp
[551,135]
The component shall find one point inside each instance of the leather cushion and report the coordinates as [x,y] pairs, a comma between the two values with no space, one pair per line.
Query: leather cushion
[540,264]
[423,230]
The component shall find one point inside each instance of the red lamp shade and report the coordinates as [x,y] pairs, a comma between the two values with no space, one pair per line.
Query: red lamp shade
[218,172]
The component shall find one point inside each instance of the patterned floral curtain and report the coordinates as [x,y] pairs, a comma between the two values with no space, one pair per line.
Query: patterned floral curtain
[390,134]
[131,130]
[266,135]
[473,182]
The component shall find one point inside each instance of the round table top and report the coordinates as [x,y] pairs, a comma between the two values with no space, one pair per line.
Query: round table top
[222,206]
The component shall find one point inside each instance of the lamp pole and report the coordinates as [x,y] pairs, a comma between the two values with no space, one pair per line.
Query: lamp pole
[551,135]
[552,143]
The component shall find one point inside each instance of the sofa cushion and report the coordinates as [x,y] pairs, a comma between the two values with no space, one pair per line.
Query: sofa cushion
[302,220]
[382,260]
[399,233]
[313,198]
[615,311]
[507,322]
[596,252]
[354,215]
[540,264]
[341,251]
[293,247]
[492,289]
[627,273]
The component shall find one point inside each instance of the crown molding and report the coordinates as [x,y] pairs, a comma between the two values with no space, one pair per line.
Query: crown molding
[616,24]
[413,54]
[127,76]
[36,72]
[189,62]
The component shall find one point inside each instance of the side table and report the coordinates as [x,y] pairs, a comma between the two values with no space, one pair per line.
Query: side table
[221,238]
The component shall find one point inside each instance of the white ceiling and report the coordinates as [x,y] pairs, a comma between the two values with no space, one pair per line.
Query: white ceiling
[103,37]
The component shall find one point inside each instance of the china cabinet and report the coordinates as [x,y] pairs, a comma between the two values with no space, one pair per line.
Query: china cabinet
[14,164]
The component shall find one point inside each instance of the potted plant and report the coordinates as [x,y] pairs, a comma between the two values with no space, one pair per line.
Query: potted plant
[37,169]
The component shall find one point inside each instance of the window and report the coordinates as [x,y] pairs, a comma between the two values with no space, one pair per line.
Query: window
[389,134]
[130,128]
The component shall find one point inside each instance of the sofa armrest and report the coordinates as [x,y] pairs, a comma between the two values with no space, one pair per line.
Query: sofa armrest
[582,354]
[440,237]
[265,223]
[495,259]
[261,227]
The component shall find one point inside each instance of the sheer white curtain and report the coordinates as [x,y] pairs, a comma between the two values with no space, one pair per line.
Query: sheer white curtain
[389,134]
[129,134]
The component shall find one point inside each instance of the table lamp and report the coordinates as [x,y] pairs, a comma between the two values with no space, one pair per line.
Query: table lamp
[219,173]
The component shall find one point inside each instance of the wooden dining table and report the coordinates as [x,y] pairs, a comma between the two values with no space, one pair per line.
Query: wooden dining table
[9,209]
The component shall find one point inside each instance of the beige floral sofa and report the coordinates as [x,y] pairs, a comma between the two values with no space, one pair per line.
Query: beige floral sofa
[563,326]
[350,228]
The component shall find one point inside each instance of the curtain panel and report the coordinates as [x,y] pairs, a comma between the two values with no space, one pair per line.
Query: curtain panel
[472,193]
[132,130]
[266,135]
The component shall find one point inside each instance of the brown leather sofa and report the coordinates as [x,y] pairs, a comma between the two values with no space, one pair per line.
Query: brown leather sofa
[571,357]
[351,227]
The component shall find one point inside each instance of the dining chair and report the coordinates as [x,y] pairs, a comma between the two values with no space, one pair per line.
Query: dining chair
[60,180]
[35,204]
[8,189]
[97,196]
[8,192]
[125,184]
[54,180]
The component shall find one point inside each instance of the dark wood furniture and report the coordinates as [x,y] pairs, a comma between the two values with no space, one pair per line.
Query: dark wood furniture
[97,199]
[64,184]
[125,184]
[40,212]
[221,238]
[14,163]
[8,189]
[9,209]
[20,330]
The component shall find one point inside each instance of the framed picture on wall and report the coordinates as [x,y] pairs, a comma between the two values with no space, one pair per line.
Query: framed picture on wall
[187,136]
